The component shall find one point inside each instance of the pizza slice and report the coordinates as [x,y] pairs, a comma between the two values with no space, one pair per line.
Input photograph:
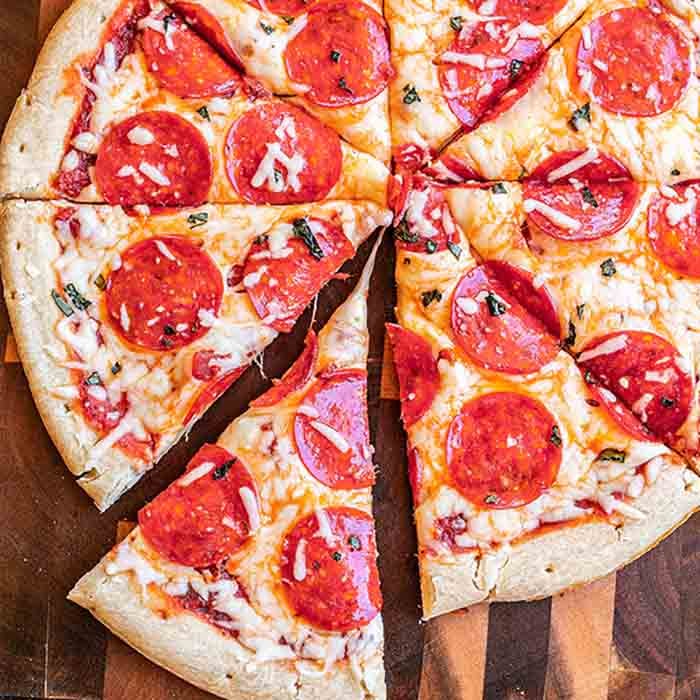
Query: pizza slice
[254,574]
[144,111]
[330,57]
[622,79]
[129,327]
[461,64]
[525,482]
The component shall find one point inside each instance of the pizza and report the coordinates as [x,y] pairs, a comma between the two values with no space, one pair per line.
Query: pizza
[254,574]
[131,325]
[547,384]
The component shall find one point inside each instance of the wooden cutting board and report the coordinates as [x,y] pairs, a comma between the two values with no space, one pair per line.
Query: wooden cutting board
[632,635]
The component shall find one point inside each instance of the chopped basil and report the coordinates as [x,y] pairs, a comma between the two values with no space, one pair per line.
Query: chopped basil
[288,20]
[344,86]
[588,377]
[100,282]
[168,329]
[456,22]
[335,56]
[266,28]
[515,67]
[410,95]
[429,297]
[223,470]
[496,306]
[337,556]
[675,172]
[579,311]
[667,403]
[491,499]
[583,113]
[93,379]
[303,231]
[261,240]
[555,437]
[430,246]
[198,219]
[77,299]
[404,233]
[167,20]
[571,335]
[454,249]
[354,542]
[204,113]
[499,188]
[588,197]
[610,454]
[607,267]
[65,308]
[116,368]
[277,174]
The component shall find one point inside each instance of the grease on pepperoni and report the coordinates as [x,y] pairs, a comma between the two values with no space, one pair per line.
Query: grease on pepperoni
[416,367]
[155,158]
[278,154]
[673,228]
[600,196]
[333,581]
[341,55]
[331,431]
[503,450]
[281,287]
[643,372]
[166,293]
[185,64]
[637,63]
[201,518]
[502,321]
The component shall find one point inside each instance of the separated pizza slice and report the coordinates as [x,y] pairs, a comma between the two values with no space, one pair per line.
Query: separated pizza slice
[128,105]
[254,574]
[623,79]
[330,57]
[525,483]
[460,64]
[129,327]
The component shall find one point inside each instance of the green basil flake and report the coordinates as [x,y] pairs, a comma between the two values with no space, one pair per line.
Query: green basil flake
[337,556]
[583,113]
[116,368]
[167,20]
[198,219]
[427,298]
[579,311]
[515,67]
[491,499]
[666,402]
[93,379]
[404,233]
[344,86]
[221,471]
[77,299]
[266,28]
[430,246]
[675,172]
[499,188]
[261,240]
[610,454]
[335,56]
[303,231]
[496,306]
[588,197]
[454,249]
[456,22]
[288,20]
[607,267]
[588,377]
[65,308]
[168,329]
[354,542]
[410,95]
[204,113]
[555,437]
[571,335]
[100,282]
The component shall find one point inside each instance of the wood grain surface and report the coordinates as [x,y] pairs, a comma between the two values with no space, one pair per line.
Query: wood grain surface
[631,636]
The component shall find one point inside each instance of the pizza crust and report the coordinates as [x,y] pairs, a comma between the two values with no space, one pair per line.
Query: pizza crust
[562,558]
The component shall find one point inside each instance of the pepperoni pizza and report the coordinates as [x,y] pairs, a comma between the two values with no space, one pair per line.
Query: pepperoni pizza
[254,574]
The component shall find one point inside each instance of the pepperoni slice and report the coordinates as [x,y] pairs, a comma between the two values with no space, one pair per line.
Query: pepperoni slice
[597,198]
[332,432]
[295,377]
[280,288]
[278,154]
[673,228]
[341,54]
[201,518]
[416,367]
[332,581]
[217,387]
[100,411]
[155,158]
[477,69]
[185,64]
[503,450]
[638,63]
[516,11]
[645,373]
[165,295]
[502,321]
[284,8]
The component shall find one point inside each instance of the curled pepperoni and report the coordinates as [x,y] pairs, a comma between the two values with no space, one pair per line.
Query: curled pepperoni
[281,287]
[201,518]
[597,199]
[416,367]
[341,54]
[673,228]
[278,154]
[295,377]
[332,432]
[217,387]
[476,70]
[645,373]
[516,11]
[502,321]
[637,64]
[333,581]
[155,158]
[165,295]
[503,450]
[185,64]
[449,168]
